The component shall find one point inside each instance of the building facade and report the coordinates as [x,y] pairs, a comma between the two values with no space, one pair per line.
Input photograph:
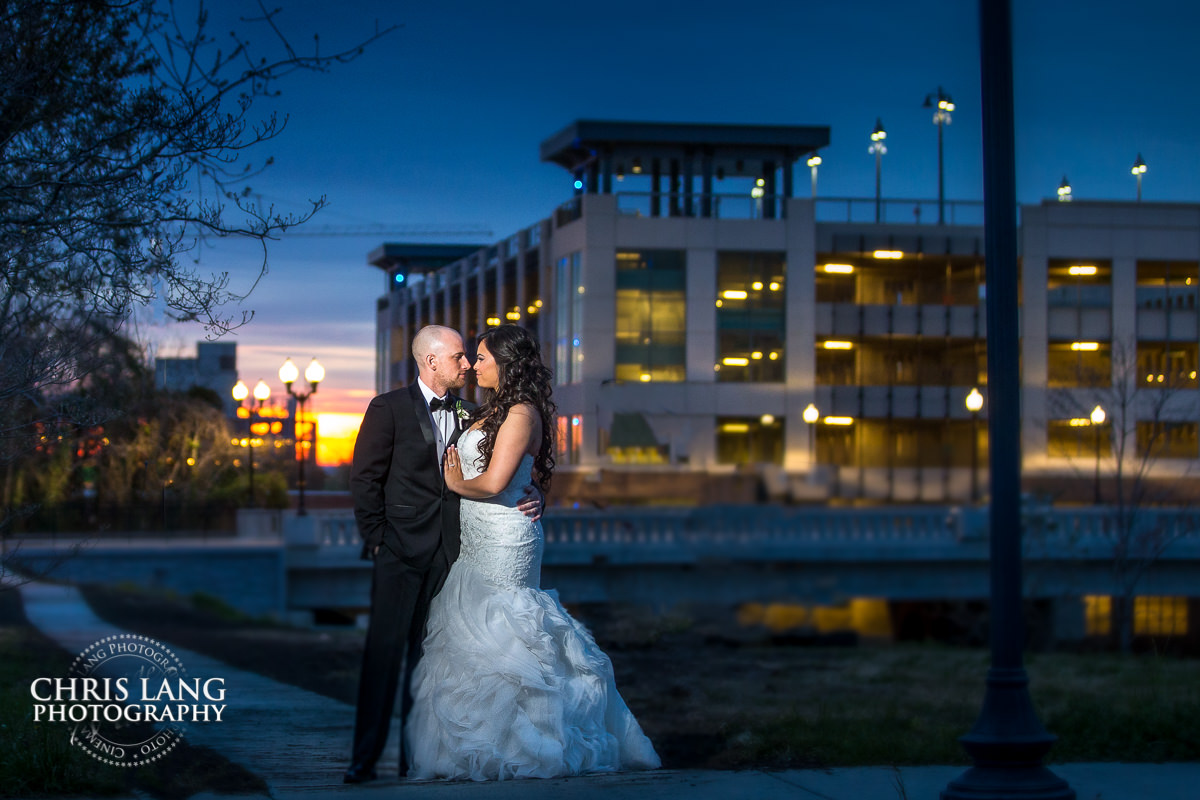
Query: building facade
[715,338]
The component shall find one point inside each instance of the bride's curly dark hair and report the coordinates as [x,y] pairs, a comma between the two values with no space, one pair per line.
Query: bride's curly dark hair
[522,378]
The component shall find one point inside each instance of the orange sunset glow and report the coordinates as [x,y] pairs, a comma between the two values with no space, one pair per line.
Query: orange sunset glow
[335,439]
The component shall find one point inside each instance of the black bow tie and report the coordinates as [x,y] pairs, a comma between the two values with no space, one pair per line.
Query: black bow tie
[438,403]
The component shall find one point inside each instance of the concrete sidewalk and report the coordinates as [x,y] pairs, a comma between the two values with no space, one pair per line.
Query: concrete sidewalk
[298,742]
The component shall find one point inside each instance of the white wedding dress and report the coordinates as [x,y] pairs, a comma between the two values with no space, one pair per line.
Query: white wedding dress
[509,684]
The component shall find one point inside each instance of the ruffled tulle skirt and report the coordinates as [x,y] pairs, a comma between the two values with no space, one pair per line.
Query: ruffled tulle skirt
[511,686]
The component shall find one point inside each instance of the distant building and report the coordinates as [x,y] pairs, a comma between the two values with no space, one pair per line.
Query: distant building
[693,310]
[214,367]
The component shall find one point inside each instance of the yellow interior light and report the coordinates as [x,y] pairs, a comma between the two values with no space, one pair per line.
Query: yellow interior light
[836,345]
[735,427]
[720,303]
[889,254]
[756,355]
[645,377]
[493,321]
[774,286]
[757,286]
[1082,269]
[735,362]
[839,420]
[1081,422]
[1085,346]
[767,419]
[513,315]
[734,294]
[774,356]
[839,269]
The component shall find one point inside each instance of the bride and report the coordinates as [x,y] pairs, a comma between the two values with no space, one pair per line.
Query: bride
[509,684]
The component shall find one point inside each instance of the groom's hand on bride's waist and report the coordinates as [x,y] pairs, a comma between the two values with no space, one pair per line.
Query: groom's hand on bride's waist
[533,503]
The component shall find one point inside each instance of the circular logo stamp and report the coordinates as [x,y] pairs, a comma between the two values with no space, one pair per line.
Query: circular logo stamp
[119,697]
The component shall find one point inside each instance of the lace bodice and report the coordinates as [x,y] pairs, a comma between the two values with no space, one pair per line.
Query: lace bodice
[498,540]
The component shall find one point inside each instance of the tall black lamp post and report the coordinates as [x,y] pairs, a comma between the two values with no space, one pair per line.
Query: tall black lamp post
[877,149]
[974,403]
[1007,742]
[942,105]
[261,393]
[314,374]
[1098,416]
[1139,169]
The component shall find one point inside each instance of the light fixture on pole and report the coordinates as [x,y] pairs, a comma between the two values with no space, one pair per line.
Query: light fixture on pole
[1064,191]
[1139,169]
[813,163]
[314,374]
[261,393]
[974,404]
[811,415]
[878,148]
[941,118]
[1098,416]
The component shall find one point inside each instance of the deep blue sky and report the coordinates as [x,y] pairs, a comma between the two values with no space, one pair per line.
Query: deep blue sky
[439,123]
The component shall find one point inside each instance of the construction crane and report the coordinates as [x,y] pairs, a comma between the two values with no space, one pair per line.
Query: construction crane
[471,231]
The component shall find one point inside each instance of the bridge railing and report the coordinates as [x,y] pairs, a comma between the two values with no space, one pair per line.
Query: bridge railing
[1047,529]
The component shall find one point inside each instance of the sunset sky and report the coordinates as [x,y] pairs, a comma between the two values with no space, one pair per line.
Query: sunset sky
[439,123]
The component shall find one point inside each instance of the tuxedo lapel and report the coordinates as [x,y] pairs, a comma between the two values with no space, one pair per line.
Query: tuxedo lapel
[458,421]
[424,418]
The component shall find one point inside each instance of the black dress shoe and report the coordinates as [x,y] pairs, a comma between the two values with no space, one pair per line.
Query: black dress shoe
[359,773]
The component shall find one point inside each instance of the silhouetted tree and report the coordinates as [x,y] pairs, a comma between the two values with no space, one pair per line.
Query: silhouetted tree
[128,135]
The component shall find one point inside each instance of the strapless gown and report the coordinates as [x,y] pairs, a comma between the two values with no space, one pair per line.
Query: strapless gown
[509,684]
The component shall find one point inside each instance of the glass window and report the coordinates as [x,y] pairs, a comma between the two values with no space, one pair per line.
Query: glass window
[750,440]
[1160,616]
[750,316]
[568,343]
[1170,365]
[1167,284]
[651,308]
[1167,440]
[1078,438]
[569,439]
[1078,283]
[1079,365]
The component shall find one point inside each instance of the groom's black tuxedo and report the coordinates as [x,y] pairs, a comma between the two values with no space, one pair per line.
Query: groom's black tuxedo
[404,509]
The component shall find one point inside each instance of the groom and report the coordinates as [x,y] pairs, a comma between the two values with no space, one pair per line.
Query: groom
[409,524]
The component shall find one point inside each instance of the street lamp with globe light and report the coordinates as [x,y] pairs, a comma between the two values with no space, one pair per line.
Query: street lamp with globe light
[974,404]
[1098,416]
[314,374]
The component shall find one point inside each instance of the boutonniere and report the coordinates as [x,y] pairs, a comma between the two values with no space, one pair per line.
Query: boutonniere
[460,410]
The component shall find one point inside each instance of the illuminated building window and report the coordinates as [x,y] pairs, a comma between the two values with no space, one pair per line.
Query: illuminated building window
[1097,615]
[751,288]
[568,343]
[1078,365]
[1167,365]
[750,440]
[1078,438]
[651,323]
[1167,440]
[569,439]
[1160,616]
[1078,283]
[1167,284]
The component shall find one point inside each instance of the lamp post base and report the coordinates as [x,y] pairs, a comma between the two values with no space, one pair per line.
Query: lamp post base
[1007,745]
[1010,782]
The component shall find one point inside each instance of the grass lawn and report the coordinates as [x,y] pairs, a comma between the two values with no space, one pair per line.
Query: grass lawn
[714,701]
